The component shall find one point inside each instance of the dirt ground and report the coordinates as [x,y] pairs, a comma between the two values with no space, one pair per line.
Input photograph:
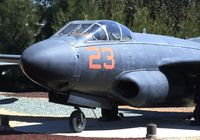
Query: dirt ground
[28,94]
[14,135]
[52,137]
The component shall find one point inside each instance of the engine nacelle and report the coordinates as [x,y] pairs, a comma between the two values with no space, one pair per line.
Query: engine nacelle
[142,88]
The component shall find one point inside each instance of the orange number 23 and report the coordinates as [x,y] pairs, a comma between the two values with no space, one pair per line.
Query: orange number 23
[97,56]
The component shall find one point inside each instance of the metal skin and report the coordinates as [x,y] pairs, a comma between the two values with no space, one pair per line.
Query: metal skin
[146,70]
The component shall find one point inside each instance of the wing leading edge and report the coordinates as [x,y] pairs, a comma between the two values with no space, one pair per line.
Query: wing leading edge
[8,59]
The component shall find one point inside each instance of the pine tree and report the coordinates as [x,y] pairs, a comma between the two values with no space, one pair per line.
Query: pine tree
[17,25]
[53,17]
[189,24]
[129,11]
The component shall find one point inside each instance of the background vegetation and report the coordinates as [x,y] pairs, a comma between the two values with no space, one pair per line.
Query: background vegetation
[24,22]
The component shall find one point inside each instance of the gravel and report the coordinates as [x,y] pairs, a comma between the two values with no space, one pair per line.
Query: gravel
[41,107]
[26,104]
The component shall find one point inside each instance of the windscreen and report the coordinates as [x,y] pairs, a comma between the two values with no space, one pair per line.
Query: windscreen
[70,28]
[97,30]
[81,28]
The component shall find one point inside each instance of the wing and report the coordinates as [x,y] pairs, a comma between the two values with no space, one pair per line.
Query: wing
[7,59]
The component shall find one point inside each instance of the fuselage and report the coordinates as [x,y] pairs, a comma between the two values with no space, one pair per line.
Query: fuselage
[65,63]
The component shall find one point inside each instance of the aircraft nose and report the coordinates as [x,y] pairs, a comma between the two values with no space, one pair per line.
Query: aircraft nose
[48,62]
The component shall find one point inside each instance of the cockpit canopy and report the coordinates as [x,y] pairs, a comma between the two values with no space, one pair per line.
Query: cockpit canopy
[96,30]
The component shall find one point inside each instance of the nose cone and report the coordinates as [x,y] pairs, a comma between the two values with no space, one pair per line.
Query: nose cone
[48,61]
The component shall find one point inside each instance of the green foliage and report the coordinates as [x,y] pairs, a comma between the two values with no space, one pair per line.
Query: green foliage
[129,13]
[142,20]
[23,22]
[171,17]
[17,25]
[189,23]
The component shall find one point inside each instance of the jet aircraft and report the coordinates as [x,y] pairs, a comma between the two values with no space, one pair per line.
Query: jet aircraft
[102,63]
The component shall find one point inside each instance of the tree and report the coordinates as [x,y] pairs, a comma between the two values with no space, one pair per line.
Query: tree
[142,20]
[17,25]
[53,17]
[174,9]
[189,25]
[129,11]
